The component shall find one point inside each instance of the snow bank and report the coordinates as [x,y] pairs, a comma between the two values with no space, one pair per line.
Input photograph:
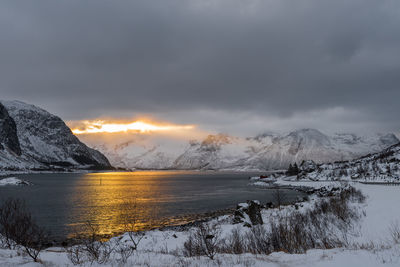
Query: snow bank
[310,184]
[293,182]
[381,210]
[13,181]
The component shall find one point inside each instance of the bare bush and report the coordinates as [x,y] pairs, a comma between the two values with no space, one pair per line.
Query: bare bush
[352,194]
[394,231]
[204,241]
[91,247]
[124,251]
[234,243]
[76,254]
[257,240]
[301,231]
[339,205]
[190,248]
[34,239]
[129,218]
[324,226]
[12,213]
[19,229]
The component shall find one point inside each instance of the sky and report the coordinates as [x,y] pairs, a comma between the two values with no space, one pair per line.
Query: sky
[235,66]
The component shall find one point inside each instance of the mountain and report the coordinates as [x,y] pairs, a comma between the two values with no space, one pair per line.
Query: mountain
[224,152]
[32,138]
[311,144]
[214,153]
[383,166]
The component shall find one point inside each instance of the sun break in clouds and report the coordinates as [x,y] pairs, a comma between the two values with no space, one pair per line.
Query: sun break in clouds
[101,126]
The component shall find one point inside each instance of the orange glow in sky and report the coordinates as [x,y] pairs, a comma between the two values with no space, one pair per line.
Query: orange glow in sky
[99,126]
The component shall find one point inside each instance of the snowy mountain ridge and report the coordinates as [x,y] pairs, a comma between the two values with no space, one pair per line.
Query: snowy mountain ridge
[33,139]
[383,166]
[224,152]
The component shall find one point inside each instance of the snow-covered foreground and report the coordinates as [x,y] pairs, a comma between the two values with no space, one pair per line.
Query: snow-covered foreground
[381,212]
[371,243]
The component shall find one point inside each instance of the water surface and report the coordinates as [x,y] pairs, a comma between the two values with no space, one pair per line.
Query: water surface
[64,202]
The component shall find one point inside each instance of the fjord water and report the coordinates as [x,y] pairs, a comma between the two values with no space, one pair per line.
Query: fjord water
[64,202]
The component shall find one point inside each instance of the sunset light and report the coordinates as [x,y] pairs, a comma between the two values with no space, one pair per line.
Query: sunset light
[200,133]
[99,126]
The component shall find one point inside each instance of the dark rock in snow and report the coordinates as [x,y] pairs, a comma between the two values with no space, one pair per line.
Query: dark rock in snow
[269,205]
[252,209]
[238,215]
[8,132]
[254,212]
[308,166]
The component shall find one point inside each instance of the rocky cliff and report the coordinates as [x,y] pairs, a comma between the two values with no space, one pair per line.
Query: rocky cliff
[32,138]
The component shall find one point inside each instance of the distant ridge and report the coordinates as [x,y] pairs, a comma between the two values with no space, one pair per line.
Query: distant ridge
[380,167]
[263,152]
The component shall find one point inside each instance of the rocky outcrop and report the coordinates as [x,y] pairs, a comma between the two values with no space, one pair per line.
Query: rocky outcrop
[8,132]
[308,166]
[249,212]
[41,140]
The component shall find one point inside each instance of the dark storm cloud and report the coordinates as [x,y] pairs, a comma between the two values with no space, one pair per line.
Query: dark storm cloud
[274,58]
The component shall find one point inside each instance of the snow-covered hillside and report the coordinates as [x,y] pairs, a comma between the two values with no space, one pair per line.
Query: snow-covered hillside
[32,138]
[225,152]
[383,166]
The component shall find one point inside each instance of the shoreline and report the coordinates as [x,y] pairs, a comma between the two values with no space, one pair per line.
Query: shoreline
[165,246]
[8,172]
[196,219]
[177,222]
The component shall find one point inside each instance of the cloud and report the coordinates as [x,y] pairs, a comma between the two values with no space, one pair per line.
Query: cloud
[263,61]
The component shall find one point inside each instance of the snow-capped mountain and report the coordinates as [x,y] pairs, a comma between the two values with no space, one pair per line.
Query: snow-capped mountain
[225,152]
[383,166]
[32,138]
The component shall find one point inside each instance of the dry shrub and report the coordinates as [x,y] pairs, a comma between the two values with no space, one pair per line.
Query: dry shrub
[76,254]
[257,240]
[19,230]
[394,231]
[204,241]
[129,219]
[324,226]
[90,248]
[352,194]
[234,243]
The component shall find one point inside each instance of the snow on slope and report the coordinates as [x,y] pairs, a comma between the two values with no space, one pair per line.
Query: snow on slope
[139,151]
[44,141]
[225,152]
[383,167]
[214,153]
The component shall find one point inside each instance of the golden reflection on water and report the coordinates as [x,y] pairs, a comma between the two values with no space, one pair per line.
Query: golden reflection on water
[100,198]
